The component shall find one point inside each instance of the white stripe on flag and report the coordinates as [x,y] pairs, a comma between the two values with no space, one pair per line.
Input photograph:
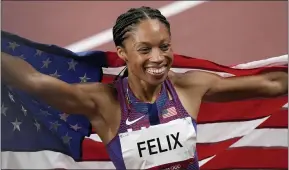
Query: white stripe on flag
[264,137]
[216,132]
[272,61]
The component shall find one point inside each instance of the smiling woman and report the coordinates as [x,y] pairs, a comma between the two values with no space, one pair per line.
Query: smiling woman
[149,53]
[137,46]
[150,122]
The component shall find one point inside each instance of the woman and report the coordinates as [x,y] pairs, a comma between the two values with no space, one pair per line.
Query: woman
[150,121]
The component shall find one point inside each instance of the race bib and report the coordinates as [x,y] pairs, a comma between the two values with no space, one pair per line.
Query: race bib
[159,145]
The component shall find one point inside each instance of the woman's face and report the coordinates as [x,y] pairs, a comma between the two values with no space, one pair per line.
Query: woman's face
[148,52]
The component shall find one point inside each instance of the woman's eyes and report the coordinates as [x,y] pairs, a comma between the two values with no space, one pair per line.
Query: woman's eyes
[163,47]
[144,49]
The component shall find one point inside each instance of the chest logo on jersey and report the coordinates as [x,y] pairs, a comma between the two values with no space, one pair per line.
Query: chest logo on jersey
[133,121]
[159,145]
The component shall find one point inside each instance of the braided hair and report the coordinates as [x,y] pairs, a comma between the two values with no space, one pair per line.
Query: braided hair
[126,22]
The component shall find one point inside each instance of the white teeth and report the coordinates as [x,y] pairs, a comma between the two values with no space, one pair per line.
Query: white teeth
[156,71]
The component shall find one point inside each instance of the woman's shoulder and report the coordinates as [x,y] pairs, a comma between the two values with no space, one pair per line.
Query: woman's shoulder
[189,78]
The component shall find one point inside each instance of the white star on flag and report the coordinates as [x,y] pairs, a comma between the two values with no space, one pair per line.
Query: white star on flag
[84,78]
[55,74]
[16,125]
[75,127]
[11,97]
[38,53]
[64,116]
[13,45]
[72,65]
[46,63]
[3,109]
[24,110]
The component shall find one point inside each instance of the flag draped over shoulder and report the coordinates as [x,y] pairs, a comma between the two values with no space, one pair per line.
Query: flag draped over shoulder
[249,134]
[30,125]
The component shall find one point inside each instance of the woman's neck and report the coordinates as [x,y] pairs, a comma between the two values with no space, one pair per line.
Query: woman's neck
[142,90]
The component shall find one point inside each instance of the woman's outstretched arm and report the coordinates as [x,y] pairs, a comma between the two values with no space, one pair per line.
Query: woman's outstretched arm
[68,98]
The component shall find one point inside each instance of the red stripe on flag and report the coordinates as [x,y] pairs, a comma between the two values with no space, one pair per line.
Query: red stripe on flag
[94,151]
[206,150]
[250,158]
[277,120]
[239,111]
[108,78]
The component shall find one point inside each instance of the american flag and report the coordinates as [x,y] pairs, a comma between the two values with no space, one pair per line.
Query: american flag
[248,134]
[171,111]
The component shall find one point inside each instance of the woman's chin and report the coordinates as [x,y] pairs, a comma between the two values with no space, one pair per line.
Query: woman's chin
[156,79]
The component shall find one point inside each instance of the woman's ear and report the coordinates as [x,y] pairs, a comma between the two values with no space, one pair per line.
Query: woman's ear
[121,53]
